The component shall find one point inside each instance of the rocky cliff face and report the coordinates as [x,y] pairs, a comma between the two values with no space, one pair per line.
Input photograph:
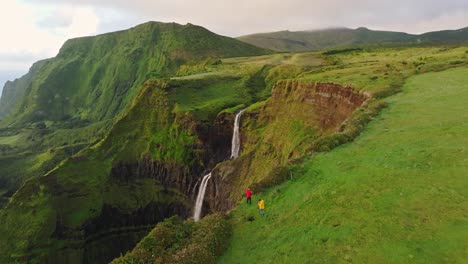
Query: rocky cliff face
[120,230]
[134,197]
[101,202]
[281,130]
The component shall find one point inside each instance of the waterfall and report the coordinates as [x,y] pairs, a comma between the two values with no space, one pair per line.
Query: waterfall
[235,136]
[200,197]
[234,154]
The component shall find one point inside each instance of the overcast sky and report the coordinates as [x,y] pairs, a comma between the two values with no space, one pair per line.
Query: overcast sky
[35,29]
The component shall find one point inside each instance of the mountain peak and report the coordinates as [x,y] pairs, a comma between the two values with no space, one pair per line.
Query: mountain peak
[362,29]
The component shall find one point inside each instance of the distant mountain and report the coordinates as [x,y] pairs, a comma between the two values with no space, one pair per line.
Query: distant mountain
[294,41]
[94,78]
[14,91]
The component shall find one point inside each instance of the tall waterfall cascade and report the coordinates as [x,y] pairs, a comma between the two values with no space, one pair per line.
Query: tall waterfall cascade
[201,197]
[236,137]
[204,183]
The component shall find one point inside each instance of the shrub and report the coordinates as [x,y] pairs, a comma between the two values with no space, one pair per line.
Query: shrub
[40,125]
[177,241]
[209,240]
[166,238]
[338,51]
[392,89]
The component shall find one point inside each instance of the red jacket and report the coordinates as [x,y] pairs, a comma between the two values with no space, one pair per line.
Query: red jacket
[248,193]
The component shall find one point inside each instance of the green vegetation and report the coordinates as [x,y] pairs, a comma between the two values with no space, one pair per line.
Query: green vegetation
[176,241]
[127,148]
[395,195]
[299,41]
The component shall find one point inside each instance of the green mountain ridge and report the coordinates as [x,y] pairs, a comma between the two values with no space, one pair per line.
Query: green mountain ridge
[68,102]
[108,69]
[298,41]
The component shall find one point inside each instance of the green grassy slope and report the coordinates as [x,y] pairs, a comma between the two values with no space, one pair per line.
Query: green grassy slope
[395,195]
[296,41]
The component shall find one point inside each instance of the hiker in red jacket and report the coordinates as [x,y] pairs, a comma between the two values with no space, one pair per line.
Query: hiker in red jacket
[248,194]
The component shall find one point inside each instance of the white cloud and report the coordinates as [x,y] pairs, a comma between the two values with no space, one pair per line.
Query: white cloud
[452,20]
[19,32]
[71,21]
[236,17]
[37,28]
[32,32]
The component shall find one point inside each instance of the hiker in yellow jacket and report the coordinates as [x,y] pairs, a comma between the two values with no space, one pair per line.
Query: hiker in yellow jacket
[261,207]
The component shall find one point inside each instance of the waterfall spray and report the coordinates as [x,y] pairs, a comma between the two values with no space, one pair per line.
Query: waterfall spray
[236,137]
[200,197]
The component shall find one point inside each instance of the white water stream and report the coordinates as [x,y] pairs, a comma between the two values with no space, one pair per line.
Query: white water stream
[204,183]
[235,136]
[201,197]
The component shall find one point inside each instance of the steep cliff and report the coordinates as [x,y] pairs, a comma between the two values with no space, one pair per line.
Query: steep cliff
[101,202]
[279,131]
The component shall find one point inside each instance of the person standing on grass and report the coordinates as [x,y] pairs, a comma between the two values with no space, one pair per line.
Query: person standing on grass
[261,207]
[248,194]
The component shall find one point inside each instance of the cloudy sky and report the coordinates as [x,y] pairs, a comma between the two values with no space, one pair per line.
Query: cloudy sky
[35,29]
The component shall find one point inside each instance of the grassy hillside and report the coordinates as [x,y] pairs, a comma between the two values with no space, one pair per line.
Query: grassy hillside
[395,195]
[296,41]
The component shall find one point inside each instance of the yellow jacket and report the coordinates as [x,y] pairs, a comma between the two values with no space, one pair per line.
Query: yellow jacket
[261,204]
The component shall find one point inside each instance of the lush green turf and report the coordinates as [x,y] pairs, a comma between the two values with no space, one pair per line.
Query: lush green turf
[398,194]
